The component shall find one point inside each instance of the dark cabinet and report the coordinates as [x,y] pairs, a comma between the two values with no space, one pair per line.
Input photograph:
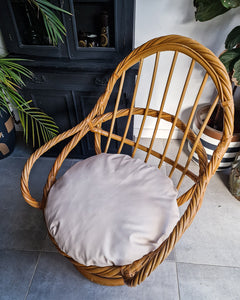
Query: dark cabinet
[24,33]
[69,78]
[89,19]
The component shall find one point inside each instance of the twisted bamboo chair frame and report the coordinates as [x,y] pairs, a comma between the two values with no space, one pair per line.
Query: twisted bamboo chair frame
[136,272]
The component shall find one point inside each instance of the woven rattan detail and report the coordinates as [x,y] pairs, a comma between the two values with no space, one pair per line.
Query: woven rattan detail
[136,272]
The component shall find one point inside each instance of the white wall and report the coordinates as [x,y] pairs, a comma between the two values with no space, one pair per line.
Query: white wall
[154,18]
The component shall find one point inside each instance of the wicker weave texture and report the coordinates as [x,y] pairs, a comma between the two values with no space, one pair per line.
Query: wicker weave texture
[136,272]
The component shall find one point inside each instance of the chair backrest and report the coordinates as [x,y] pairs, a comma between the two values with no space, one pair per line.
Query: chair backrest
[193,63]
[173,107]
[207,73]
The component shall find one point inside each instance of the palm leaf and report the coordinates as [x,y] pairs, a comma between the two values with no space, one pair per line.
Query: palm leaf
[41,126]
[8,65]
[54,27]
[3,102]
[52,32]
[46,3]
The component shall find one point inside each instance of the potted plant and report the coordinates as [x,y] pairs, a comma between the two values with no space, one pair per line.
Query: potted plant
[206,10]
[36,123]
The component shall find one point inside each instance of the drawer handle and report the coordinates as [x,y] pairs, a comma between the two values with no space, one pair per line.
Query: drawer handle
[101,81]
[39,78]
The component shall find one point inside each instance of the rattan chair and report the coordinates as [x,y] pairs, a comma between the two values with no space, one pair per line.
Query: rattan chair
[212,69]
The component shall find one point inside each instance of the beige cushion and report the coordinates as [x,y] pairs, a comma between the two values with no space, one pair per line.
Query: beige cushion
[111,209]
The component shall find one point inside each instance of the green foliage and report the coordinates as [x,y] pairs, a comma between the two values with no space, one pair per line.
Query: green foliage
[53,25]
[236,73]
[36,123]
[230,3]
[233,38]
[208,9]
[41,126]
[231,57]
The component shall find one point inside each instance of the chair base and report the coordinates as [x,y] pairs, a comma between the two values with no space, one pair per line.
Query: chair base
[109,276]
[101,279]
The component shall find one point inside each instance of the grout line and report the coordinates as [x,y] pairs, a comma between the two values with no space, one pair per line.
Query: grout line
[29,250]
[179,294]
[31,280]
[209,265]
[167,259]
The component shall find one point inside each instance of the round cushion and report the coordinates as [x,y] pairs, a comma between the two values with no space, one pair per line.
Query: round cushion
[111,209]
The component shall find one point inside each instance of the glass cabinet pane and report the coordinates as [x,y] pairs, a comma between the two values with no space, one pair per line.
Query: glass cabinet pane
[94,23]
[30,23]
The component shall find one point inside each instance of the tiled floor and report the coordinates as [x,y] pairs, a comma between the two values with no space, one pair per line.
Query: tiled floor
[204,265]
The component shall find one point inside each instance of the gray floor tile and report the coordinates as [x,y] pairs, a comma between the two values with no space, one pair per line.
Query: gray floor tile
[56,278]
[21,226]
[213,237]
[172,256]
[201,282]
[161,284]
[21,148]
[152,160]
[11,197]
[16,269]
[22,230]
[48,245]
[11,169]
[39,174]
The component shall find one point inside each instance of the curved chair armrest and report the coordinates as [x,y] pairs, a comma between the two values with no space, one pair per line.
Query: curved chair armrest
[139,270]
[86,123]
[39,152]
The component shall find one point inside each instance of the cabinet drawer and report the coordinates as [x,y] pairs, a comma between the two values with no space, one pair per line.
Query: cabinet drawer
[81,81]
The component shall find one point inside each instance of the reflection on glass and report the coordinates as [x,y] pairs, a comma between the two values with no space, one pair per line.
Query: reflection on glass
[29,23]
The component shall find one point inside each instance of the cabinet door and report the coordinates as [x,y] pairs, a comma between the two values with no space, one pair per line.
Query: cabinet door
[68,108]
[85,102]
[24,33]
[100,29]
[60,105]
[69,97]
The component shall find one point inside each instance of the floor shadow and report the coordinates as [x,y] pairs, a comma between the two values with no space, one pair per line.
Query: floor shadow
[224,176]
